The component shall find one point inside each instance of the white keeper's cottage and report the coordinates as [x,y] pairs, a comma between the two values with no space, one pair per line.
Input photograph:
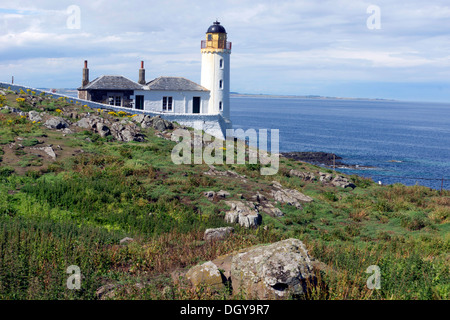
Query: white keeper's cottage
[205,105]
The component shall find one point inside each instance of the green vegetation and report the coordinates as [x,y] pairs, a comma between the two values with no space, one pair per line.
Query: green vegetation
[75,210]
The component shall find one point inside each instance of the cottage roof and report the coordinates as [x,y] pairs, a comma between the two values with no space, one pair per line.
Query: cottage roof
[174,84]
[112,83]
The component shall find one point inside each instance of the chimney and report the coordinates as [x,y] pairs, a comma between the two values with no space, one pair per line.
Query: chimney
[141,74]
[85,74]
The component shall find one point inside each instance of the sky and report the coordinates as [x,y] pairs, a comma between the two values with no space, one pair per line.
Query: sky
[342,48]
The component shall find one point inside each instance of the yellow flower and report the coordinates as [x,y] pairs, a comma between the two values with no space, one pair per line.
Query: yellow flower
[58,110]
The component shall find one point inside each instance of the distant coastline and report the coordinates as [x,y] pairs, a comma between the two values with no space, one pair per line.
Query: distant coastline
[73,93]
[315,97]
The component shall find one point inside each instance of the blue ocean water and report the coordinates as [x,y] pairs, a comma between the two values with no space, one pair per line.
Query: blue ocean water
[406,142]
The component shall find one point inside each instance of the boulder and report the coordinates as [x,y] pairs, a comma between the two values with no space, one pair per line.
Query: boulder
[206,274]
[244,213]
[102,129]
[217,233]
[325,177]
[265,272]
[56,123]
[306,176]
[289,196]
[210,194]
[343,182]
[84,123]
[269,209]
[34,116]
[272,271]
[223,194]
[126,240]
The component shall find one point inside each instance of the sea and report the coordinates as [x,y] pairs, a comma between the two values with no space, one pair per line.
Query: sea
[390,141]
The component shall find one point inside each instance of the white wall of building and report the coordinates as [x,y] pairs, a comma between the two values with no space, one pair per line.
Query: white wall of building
[182,101]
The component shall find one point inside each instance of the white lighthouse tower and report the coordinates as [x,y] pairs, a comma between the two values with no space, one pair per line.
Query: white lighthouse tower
[215,76]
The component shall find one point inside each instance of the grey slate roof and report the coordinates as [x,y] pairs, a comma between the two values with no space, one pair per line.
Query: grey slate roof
[174,84]
[112,83]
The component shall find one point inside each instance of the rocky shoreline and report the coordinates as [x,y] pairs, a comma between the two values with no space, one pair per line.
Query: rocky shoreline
[325,159]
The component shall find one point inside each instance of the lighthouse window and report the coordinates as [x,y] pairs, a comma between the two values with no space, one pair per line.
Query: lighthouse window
[167,103]
[220,105]
[220,84]
[209,37]
[221,63]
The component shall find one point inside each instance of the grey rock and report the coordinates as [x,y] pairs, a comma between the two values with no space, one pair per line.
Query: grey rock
[210,194]
[56,123]
[306,176]
[289,196]
[217,233]
[223,194]
[34,116]
[206,274]
[273,271]
[343,182]
[244,213]
[126,240]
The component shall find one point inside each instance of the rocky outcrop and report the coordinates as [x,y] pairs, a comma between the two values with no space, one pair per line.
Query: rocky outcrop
[244,213]
[228,173]
[34,116]
[56,123]
[343,182]
[289,196]
[337,181]
[306,176]
[263,272]
[156,122]
[217,233]
[264,205]
[120,130]
[212,195]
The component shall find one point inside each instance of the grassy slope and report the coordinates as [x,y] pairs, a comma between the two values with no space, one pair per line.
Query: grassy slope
[74,211]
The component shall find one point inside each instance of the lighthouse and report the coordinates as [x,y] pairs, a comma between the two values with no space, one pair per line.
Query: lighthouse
[215,76]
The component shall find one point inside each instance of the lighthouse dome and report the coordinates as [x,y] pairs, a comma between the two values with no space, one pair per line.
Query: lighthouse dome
[216,27]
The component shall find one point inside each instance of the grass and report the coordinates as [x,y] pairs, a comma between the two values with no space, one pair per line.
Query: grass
[74,211]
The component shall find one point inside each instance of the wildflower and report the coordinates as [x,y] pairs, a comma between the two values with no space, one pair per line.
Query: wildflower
[58,110]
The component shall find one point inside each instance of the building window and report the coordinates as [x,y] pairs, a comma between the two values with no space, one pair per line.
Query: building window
[220,84]
[167,103]
[220,106]
[118,101]
[115,101]
[221,63]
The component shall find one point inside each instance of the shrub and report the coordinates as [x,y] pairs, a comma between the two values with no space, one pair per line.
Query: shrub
[414,221]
